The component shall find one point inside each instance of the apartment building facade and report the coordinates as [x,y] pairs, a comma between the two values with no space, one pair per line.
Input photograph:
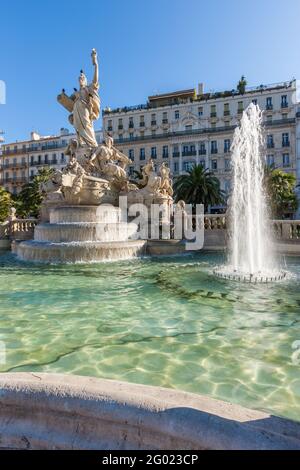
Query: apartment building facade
[20,161]
[192,127]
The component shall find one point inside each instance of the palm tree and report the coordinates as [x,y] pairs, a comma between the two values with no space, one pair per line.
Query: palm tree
[5,203]
[30,198]
[198,186]
[280,191]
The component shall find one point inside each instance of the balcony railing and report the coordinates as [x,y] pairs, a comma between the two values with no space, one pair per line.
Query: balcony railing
[14,165]
[202,152]
[214,151]
[33,149]
[269,107]
[176,154]
[109,128]
[202,131]
[240,111]
[227,113]
[165,155]
[16,180]
[120,127]
[153,123]
[131,125]
[142,124]
[270,145]
[213,115]
[165,121]
[285,143]
[189,153]
[284,105]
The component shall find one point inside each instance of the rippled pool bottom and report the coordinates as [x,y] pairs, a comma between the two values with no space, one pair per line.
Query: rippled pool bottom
[167,322]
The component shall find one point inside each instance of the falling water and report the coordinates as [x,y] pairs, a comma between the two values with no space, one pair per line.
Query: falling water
[251,249]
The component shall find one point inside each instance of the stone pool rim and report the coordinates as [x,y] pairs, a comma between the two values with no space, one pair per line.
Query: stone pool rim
[64,411]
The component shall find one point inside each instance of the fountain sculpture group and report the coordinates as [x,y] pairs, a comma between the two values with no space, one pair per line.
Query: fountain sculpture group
[80,216]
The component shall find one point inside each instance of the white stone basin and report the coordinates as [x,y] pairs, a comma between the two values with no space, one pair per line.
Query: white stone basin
[57,411]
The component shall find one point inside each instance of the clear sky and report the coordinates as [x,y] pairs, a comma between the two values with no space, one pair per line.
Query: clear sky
[145,47]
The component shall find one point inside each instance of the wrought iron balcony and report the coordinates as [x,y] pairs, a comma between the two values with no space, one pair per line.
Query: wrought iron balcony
[213,115]
[269,107]
[202,152]
[214,151]
[120,127]
[189,153]
[270,145]
[176,154]
[227,113]
[284,105]
[285,143]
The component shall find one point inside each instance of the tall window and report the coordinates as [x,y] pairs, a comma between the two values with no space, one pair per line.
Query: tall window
[202,150]
[142,154]
[165,152]
[269,104]
[188,165]
[285,140]
[175,167]
[227,164]
[226,109]
[200,111]
[142,121]
[284,101]
[226,145]
[131,154]
[270,141]
[213,146]
[165,117]
[286,159]
[213,110]
[109,125]
[153,152]
[202,163]
[270,160]
[176,114]
[131,122]
[214,164]
[240,107]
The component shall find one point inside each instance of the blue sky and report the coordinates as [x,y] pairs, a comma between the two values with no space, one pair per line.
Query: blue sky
[145,47]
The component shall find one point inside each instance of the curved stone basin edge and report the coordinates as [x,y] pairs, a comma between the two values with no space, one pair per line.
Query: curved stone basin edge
[59,411]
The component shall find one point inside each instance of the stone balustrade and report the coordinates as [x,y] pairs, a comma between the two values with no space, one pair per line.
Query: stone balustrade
[18,229]
[286,229]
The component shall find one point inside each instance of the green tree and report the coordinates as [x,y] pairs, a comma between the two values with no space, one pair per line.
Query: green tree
[5,203]
[198,186]
[241,86]
[280,189]
[29,200]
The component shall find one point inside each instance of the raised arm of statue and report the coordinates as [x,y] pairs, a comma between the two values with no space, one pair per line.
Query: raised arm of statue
[96,68]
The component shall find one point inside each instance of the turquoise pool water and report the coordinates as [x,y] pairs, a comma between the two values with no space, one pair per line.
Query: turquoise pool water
[165,322]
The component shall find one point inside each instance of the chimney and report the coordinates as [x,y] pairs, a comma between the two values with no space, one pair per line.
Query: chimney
[200,88]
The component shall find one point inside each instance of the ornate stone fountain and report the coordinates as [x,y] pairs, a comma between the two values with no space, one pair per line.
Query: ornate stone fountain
[81,220]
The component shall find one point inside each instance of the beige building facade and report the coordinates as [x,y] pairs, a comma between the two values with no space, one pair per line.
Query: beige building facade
[20,161]
[193,127]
